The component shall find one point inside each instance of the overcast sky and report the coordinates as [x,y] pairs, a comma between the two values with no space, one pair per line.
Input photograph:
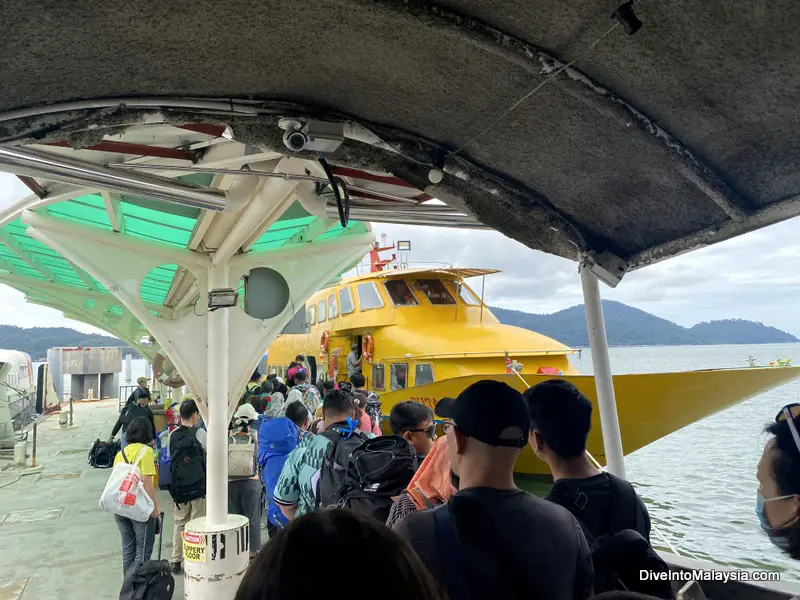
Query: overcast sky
[755,276]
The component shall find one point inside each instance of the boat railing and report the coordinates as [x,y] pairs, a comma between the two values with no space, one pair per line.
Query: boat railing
[481,353]
[397,265]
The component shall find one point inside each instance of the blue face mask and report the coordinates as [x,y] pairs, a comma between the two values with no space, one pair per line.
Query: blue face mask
[780,542]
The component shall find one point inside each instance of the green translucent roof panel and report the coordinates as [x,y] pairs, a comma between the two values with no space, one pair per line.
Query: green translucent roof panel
[156,285]
[89,210]
[281,231]
[157,226]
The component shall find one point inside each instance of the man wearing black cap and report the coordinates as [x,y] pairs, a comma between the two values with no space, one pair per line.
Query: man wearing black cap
[492,540]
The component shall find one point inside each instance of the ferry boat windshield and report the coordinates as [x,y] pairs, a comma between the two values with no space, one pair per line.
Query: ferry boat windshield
[400,293]
[435,291]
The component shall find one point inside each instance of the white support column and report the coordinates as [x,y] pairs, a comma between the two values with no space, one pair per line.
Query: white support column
[606,402]
[223,538]
[218,340]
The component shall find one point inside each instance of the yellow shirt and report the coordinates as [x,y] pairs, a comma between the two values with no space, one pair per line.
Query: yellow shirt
[147,464]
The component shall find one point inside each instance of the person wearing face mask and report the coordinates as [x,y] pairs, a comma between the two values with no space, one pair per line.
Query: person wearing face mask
[778,497]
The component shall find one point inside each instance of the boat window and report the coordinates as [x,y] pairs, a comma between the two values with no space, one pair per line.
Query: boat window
[400,293]
[346,301]
[378,377]
[423,374]
[466,294]
[311,317]
[332,311]
[321,311]
[368,296]
[435,291]
[398,373]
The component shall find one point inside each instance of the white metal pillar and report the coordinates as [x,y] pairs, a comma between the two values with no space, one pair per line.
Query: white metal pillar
[217,377]
[606,402]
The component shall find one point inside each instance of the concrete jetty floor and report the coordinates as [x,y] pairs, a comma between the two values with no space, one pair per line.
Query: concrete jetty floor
[56,542]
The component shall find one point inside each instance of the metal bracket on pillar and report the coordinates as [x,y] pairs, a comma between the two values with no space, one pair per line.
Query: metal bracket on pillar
[604,383]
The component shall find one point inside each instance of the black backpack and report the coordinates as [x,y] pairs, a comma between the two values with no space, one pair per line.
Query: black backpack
[619,555]
[334,464]
[187,466]
[102,454]
[379,469]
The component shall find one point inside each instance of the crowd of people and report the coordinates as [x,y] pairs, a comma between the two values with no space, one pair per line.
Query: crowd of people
[427,517]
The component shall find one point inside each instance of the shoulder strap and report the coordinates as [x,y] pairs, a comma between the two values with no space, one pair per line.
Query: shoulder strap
[623,504]
[450,552]
[125,458]
[140,455]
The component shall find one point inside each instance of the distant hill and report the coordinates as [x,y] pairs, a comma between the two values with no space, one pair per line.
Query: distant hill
[628,326]
[36,340]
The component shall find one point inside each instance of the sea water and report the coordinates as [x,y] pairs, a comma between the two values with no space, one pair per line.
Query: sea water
[699,483]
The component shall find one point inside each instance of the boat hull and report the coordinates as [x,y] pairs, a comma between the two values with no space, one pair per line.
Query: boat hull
[650,406]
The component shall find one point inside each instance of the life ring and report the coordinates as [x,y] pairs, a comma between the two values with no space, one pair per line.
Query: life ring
[367,348]
[323,341]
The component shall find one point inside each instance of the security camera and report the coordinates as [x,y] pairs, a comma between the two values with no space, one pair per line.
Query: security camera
[312,135]
[295,140]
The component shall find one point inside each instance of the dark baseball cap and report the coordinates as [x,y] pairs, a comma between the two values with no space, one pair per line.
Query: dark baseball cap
[489,411]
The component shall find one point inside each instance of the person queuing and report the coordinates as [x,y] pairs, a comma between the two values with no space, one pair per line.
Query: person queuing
[139,408]
[140,390]
[414,422]
[138,537]
[365,422]
[778,496]
[432,485]
[304,392]
[186,448]
[244,492]
[482,543]
[297,365]
[277,438]
[561,418]
[384,561]
[295,493]
[615,521]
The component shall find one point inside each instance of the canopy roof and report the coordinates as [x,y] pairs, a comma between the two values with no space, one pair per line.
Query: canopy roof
[645,146]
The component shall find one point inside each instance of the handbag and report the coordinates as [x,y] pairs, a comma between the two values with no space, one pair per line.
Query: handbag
[241,457]
[124,494]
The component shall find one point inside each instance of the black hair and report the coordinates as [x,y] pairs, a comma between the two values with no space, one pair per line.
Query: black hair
[300,357]
[328,385]
[301,375]
[280,570]
[785,468]
[336,402]
[358,380]
[360,399]
[272,376]
[561,415]
[408,415]
[139,431]
[267,387]
[283,389]
[188,408]
[256,376]
[297,413]
[258,403]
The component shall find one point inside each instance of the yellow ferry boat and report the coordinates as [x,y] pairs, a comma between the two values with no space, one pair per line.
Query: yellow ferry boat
[424,334]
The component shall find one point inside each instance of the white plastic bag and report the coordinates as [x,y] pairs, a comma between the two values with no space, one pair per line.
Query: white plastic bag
[124,494]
